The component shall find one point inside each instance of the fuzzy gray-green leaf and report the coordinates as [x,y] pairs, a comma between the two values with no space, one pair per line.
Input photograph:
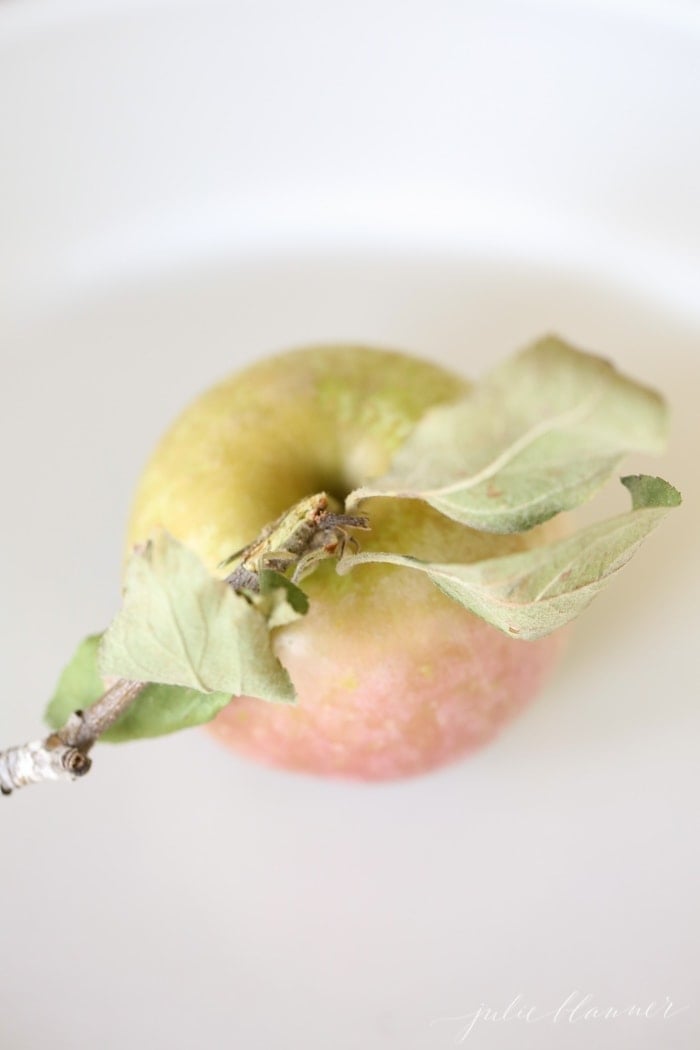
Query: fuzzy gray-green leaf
[531,593]
[158,710]
[178,625]
[538,436]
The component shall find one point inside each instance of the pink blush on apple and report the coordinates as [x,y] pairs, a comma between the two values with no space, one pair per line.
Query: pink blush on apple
[411,707]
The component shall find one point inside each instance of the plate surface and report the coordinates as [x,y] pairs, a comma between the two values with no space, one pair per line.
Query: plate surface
[184,187]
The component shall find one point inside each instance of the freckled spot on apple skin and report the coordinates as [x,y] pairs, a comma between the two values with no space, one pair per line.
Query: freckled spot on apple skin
[349,682]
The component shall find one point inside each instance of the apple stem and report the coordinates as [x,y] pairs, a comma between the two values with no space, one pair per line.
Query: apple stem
[64,754]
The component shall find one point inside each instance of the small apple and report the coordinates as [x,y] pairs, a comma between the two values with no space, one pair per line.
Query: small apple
[393,678]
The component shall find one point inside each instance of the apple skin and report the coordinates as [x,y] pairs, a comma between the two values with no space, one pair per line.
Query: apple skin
[393,678]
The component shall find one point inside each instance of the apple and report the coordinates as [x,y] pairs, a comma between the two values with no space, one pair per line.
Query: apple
[393,678]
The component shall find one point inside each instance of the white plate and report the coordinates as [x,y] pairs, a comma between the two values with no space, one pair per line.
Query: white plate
[184,187]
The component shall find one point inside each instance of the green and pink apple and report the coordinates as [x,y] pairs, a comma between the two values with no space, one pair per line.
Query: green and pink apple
[393,678]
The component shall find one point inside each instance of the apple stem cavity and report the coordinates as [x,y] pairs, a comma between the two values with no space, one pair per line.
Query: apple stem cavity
[65,753]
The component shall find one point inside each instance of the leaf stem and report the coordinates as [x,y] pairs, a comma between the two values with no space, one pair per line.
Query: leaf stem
[65,753]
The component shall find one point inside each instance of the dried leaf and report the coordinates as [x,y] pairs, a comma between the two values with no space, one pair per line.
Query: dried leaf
[180,626]
[538,436]
[531,593]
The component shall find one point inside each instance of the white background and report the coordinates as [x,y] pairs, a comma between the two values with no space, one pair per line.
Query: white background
[184,187]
